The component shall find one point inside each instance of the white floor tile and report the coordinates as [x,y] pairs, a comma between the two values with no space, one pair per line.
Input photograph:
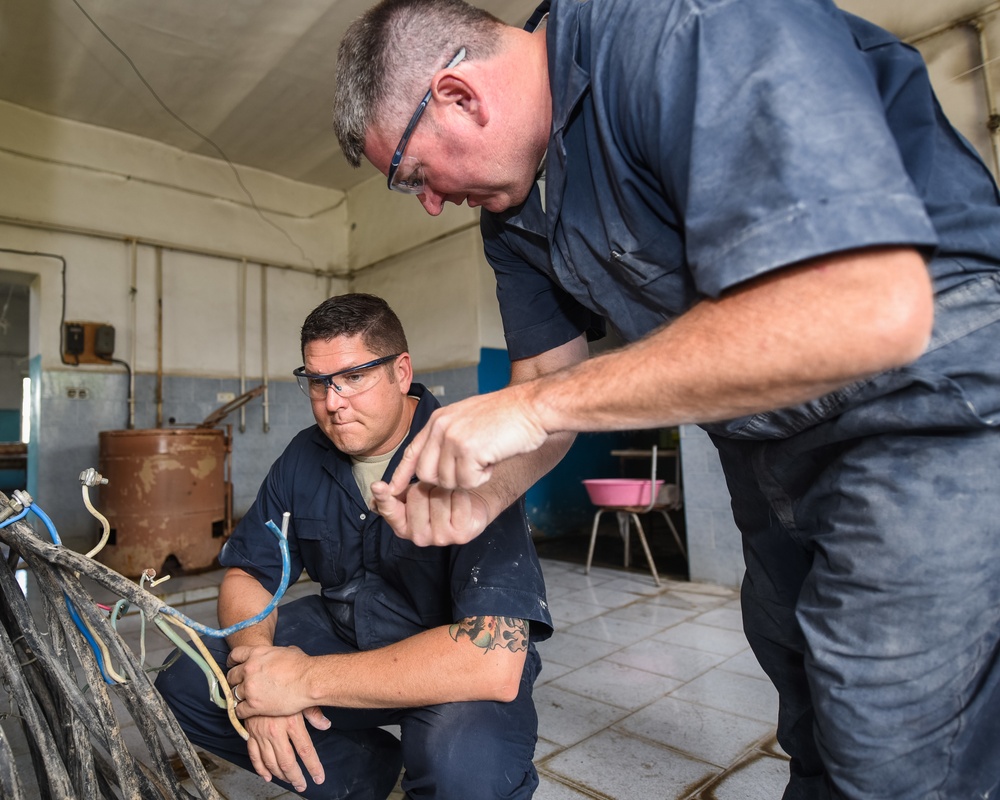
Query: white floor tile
[616,684]
[574,651]
[763,778]
[704,637]
[663,658]
[705,733]
[737,694]
[566,718]
[623,768]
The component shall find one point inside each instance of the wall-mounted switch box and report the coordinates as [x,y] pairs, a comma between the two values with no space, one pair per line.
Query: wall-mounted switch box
[74,339]
[88,343]
[104,341]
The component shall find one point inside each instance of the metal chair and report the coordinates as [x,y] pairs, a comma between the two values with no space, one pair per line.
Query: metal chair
[667,498]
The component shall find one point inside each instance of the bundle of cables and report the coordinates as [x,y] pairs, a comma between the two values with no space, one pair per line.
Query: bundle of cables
[73,731]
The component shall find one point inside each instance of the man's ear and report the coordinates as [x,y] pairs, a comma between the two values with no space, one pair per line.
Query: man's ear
[450,87]
[404,372]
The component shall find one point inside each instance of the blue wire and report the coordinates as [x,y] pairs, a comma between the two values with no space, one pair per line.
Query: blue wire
[48,523]
[11,520]
[217,633]
[69,605]
[90,639]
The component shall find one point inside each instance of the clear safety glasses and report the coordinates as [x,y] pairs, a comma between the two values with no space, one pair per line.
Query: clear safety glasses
[346,382]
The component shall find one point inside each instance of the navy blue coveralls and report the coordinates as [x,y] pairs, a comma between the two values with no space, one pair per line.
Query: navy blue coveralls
[377,589]
[698,144]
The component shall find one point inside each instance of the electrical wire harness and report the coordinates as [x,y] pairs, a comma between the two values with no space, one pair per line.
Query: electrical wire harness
[73,730]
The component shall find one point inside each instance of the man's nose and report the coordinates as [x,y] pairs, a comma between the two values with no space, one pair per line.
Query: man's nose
[334,402]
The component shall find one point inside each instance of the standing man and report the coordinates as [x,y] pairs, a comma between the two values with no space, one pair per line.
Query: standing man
[435,640]
[764,198]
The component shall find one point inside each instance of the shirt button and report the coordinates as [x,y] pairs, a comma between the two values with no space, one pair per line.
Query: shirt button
[362,516]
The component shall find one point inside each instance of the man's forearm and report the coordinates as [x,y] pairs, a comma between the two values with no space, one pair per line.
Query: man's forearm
[784,339]
[478,658]
[443,665]
[241,597]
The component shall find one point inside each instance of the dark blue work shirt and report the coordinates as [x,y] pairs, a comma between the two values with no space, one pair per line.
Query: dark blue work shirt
[698,144]
[379,588]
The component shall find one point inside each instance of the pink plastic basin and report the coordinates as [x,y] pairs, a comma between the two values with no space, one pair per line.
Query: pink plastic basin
[619,491]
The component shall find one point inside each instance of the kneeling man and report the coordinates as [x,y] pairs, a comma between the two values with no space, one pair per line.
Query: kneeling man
[436,640]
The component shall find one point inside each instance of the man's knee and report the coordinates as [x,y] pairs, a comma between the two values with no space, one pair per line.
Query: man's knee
[446,761]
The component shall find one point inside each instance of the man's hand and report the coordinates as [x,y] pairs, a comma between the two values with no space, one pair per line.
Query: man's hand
[269,681]
[430,515]
[462,442]
[275,741]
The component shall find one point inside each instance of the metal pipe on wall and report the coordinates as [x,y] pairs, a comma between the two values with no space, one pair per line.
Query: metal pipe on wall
[263,346]
[159,337]
[975,21]
[147,242]
[993,118]
[133,291]
[241,335]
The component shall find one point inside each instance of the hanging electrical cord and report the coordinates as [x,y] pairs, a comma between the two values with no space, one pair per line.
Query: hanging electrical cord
[196,132]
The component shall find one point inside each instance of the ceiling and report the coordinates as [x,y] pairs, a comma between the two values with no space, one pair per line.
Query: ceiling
[254,76]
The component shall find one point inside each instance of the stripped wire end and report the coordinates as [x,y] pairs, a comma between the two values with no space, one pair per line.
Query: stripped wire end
[91,477]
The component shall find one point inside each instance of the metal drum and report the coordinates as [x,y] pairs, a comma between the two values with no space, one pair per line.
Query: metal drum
[167,498]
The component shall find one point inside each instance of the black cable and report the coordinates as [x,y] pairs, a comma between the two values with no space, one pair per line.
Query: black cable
[62,322]
[196,132]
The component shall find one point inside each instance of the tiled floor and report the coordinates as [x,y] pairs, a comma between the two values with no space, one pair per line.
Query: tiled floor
[646,693]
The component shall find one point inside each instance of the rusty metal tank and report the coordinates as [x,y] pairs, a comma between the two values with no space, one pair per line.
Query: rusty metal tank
[168,497]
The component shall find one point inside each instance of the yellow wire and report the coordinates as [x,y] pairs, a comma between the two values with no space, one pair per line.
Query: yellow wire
[103,520]
[112,673]
[213,665]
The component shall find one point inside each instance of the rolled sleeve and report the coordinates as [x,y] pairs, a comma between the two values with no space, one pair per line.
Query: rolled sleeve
[498,574]
[790,156]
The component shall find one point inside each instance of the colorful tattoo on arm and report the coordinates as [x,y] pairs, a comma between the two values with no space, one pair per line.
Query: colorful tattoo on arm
[490,633]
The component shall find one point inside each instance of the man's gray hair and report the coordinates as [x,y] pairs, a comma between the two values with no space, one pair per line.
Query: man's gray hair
[389,55]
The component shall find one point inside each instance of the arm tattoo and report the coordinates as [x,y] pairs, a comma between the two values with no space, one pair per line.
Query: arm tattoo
[490,633]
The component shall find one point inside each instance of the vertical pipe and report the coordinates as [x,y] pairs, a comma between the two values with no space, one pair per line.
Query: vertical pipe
[263,345]
[993,121]
[133,291]
[241,322]
[159,337]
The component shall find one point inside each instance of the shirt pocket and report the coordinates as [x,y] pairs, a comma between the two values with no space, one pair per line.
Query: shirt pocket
[320,551]
[405,549]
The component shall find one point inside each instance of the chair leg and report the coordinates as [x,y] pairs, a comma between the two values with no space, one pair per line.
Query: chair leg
[593,540]
[645,548]
[624,531]
[673,530]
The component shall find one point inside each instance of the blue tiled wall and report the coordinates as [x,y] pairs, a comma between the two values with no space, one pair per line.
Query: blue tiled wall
[715,550]
[66,439]
[458,383]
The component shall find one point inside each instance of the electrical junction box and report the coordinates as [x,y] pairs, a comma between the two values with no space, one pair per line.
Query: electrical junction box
[88,343]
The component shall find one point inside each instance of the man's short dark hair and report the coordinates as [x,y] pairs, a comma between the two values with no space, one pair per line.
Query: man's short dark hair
[388,56]
[354,314]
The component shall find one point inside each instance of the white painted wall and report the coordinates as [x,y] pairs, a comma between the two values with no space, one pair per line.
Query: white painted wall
[433,289]
[82,192]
